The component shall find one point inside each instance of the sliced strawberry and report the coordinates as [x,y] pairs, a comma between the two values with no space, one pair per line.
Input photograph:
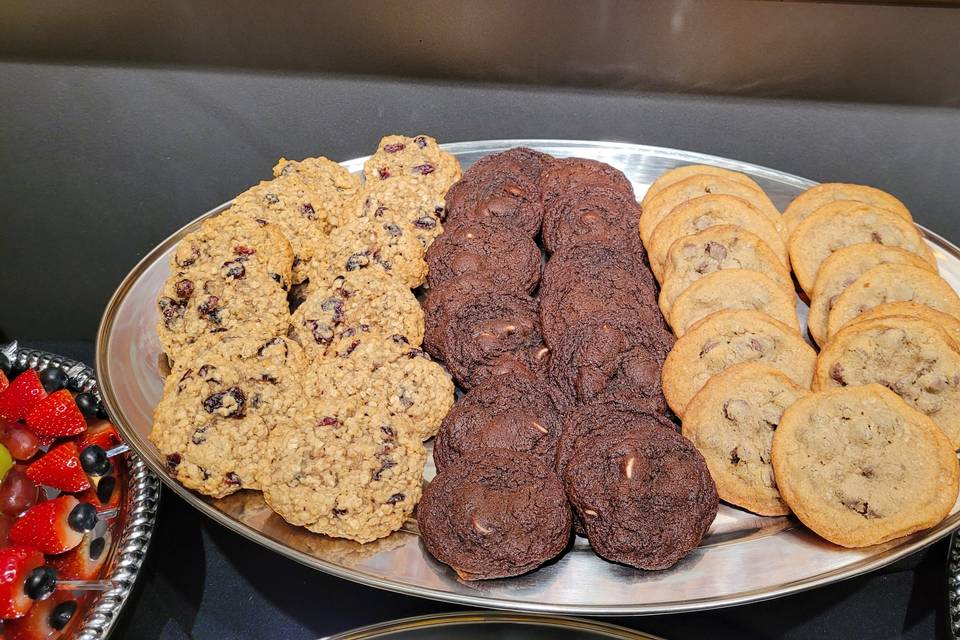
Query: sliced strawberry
[60,468]
[18,399]
[4,383]
[101,433]
[54,526]
[56,415]
[48,619]
[15,563]
[84,562]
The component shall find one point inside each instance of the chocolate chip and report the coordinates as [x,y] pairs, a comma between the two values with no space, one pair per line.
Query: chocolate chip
[735,409]
[876,237]
[716,251]
[338,512]
[836,374]
[734,456]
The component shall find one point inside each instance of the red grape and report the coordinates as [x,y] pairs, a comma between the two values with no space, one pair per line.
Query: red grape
[17,492]
[21,442]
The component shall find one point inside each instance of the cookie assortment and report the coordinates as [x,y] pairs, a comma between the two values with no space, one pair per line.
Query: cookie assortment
[294,336]
[786,429]
[564,406]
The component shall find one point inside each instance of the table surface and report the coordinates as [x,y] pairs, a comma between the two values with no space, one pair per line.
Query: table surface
[202,581]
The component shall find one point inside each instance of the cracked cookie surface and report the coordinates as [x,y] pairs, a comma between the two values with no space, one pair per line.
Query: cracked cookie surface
[731,421]
[859,467]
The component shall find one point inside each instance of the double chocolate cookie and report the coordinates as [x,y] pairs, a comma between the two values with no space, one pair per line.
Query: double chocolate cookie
[612,354]
[488,335]
[494,513]
[589,211]
[498,198]
[565,175]
[513,411]
[645,497]
[509,260]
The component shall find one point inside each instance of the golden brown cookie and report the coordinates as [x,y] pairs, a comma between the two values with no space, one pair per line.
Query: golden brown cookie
[219,404]
[726,338]
[358,478]
[815,197]
[356,302]
[688,171]
[701,213]
[950,324]
[733,289]
[732,421]
[420,157]
[694,187]
[892,283]
[912,357]
[717,249]
[383,248]
[859,466]
[841,224]
[841,269]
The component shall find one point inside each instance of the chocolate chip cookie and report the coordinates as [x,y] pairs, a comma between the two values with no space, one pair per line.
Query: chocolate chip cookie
[733,289]
[646,497]
[611,354]
[490,335]
[494,513]
[357,478]
[841,269]
[892,283]
[565,175]
[509,260]
[726,338]
[859,467]
[513,411]
[949,324]
[219,404]
[912,357]
[688,171]
[731,421]
[588,211]
[419,156]
[354,303]
[841,224]
[815,197]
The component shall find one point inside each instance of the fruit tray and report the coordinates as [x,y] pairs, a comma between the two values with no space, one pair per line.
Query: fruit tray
[132,527]
[743,558]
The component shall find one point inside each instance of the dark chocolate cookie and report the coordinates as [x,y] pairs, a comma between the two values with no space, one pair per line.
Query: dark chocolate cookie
[513,411]
[589,211]
[440,300]
[491,334]
[565,175]
[500,197]
[613,354]
[522,160]
[601,250]
[494,513]
[509,260]
[646,497]
[577,292]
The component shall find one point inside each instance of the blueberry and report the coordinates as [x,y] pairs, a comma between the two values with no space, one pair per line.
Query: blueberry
[40,583]
[96,547]
[5,365]
[105,489]
[53,379]
[83,517]
[88,403]
[61,614]
[94,461]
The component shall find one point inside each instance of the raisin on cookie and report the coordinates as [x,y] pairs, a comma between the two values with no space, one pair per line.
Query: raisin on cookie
[731,421]
[726,338]
[860,467]
[494,513]
[646,497]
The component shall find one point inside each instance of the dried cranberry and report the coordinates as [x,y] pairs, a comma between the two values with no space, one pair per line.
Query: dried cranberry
[421,141]
[392,229]
[307,211]
[232,479]
[241,250]
[384,173]
[425,222]
[321,331]
[424,169]
[235,269]
[173,460]
[184,288]
[379,211]
[357,261]
[329,421]
[215,401]
[395,498]
[393,148]
[385,464]
[194,254]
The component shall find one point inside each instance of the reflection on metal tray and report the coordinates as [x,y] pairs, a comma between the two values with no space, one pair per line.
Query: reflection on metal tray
[141,496]
[743,558]
[482,625]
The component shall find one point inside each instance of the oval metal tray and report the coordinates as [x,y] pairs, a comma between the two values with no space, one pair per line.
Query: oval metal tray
[141,496]
[743,558]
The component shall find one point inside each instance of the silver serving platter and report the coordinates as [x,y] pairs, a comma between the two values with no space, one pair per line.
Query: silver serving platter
[743,558]
[141,496]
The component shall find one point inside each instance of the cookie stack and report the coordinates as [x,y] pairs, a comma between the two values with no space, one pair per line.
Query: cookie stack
[323,409]
[564,400]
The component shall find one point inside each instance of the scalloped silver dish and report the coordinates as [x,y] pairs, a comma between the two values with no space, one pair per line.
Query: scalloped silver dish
[141,496]
[744,557]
